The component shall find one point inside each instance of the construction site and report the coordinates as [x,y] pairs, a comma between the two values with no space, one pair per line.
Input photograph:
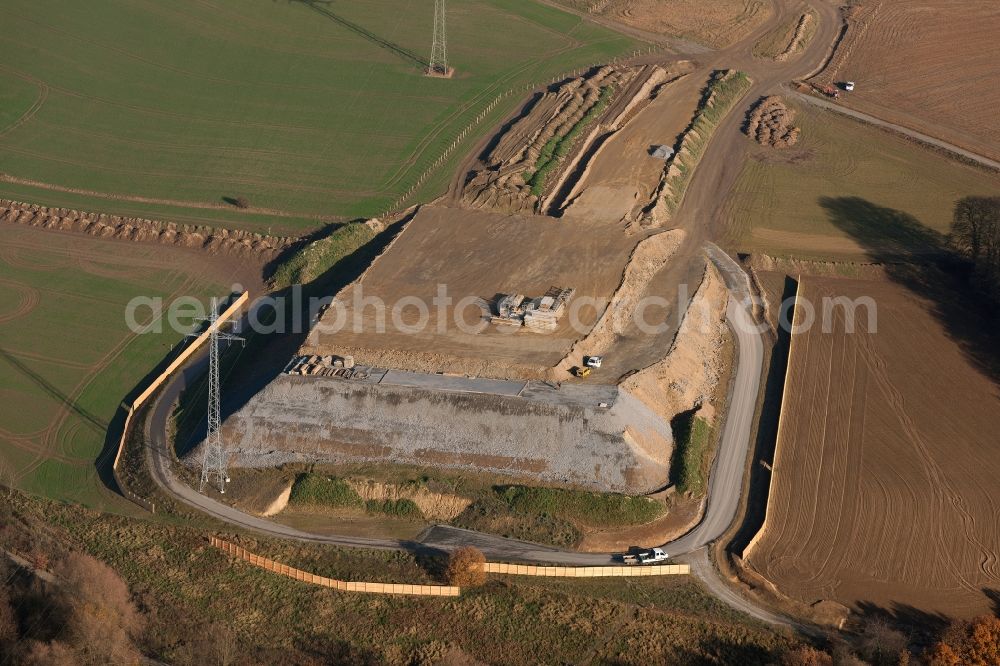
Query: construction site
[461,346]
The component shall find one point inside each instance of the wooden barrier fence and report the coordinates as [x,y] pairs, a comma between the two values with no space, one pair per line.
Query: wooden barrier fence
[155,384]
[340,585]
[586,572]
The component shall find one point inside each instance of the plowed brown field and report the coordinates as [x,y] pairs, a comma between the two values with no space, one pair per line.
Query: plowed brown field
[886,484]
[930,65]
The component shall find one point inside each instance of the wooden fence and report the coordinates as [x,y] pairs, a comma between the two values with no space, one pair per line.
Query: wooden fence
[154,385]
[586,572]
[340,585]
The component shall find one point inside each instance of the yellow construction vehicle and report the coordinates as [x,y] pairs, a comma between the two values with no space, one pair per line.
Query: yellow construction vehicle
[581,372]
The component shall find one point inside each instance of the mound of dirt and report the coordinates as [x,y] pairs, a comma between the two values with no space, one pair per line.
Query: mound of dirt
[798,38]
[688,376]
[648,257]
[770,123]
[223,241]
[502,182]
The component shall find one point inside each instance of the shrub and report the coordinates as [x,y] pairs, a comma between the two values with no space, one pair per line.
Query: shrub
[322,490]
[465,567]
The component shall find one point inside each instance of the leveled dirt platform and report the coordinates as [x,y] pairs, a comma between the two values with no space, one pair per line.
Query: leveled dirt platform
[543,435]
[475,255]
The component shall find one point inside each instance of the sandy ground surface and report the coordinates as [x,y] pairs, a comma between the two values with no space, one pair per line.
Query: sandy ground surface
[885,478]
[476,255]
[624,175]
[648,258]
[930,65]
[688,376]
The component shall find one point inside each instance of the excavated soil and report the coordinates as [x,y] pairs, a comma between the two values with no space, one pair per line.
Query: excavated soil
[770,123]
[501,183]
[689,375]
[648,257]
[885,487]
[474,255]
[215,241]
[930,65]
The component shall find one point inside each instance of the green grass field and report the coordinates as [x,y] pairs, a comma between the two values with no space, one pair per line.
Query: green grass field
[67,357]
[308,109]
[845,188]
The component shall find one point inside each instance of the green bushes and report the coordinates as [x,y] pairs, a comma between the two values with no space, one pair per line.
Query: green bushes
[324,491]
[692,437]
[592,509]
[558,147]
[554,515]
[313,260]
[319,490]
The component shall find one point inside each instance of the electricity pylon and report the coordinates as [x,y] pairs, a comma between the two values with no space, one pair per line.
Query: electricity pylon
[438,65]
[214,462]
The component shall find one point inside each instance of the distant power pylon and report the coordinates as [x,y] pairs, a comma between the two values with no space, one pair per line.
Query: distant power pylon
[438,65]
[214,462]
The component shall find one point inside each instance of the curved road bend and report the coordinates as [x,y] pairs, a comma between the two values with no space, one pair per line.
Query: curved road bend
[725,485]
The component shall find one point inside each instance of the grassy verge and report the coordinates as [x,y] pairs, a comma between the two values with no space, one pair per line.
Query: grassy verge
[315,259]
[334,493]
[554,515]
[200,606]
[558,147]
[774,43]
[692,440]
[724,89]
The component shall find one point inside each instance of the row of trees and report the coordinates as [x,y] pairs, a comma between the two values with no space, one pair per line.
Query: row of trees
[964,643]
[975,232]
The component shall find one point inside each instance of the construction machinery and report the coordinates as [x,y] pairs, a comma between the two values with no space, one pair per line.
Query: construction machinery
[582,372]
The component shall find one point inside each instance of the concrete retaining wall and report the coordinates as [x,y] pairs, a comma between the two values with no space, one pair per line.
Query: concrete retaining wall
[339,585]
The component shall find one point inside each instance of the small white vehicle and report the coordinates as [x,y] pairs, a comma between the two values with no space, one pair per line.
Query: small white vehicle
[650,556]
[849,86]
[593,361]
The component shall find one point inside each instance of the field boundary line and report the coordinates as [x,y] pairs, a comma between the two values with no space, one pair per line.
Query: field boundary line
[268,564]
[752,544]
[154,385]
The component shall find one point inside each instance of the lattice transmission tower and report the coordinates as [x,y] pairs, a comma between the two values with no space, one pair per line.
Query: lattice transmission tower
[214,462]
[438,65]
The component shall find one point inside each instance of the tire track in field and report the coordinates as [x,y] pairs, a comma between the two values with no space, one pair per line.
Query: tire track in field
[49,445]
[943,491]
[27,301]
[43,96]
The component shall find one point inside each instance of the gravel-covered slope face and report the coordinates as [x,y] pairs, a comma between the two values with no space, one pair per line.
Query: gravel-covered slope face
[594,437]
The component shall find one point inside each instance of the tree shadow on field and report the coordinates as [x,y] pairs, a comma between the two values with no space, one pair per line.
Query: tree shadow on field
[923,626]
[322,7]
[922,260]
